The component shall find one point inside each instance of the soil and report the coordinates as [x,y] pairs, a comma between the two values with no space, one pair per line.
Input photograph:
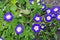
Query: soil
[58,34]
[52,2]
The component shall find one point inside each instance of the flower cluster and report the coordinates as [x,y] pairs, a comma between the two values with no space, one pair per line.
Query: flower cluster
[54,12]
[50,13]
[37,18]
[36,27]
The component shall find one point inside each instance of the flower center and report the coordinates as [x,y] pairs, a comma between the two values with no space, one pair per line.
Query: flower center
[43,7]
[42,26]
[48,11]
[56,9]
[19,29]
[58,16]
[36,28]
[8,16]
[48,17]
[37,18]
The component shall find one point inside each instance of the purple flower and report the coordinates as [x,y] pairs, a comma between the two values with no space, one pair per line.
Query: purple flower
[1,38]
[52,24]
[37,18]
[57,17]
[31,1]
[36,28]
[8,16]
[19,29]
[48,11]
[55,9]
[53,15]
[43,6]
[43,26]
[48,18]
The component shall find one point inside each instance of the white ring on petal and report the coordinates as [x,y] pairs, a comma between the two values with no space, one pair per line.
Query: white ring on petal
[48,11]
[1,39]
[58,16]
[36,28]
[8,16]
[56,9]
[37,18]
[19,29]
[48,17]
[42,26]
[43,7]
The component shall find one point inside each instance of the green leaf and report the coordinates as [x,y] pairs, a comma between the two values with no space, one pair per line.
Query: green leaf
[13,1]
[44,37]
[28,4]
[21,1]
[25,11]
[55,36]
[7,7]
[13,8]
[53,30]
[1,14]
